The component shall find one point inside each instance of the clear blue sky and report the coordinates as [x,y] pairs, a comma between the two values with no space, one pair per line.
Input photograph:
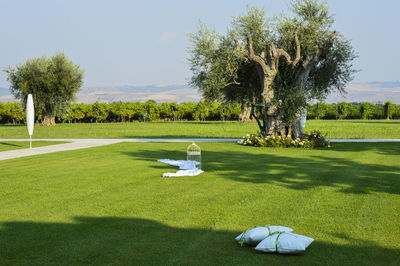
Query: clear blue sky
[144,42]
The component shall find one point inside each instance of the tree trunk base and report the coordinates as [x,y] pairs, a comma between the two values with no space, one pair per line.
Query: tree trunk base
[49,120]
[245,113]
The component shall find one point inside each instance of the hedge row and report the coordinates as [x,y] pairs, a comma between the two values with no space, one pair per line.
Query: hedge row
[13,112]
[353,111]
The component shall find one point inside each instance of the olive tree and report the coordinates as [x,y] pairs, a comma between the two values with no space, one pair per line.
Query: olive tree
[53,82]
[273,70]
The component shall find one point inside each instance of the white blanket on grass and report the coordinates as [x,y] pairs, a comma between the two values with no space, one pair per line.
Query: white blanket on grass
[188,168]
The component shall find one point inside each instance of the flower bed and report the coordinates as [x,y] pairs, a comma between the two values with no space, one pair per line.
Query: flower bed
[315,139]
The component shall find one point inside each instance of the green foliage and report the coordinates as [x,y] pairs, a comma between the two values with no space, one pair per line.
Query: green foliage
[52,81]
[221,72]
[332,72]
[273,141]
[152,111]
[314,140]
[389,108]
[200,111]
[367,110]
[209,70]
[99,112]
[317,139]
[254,22]
[11,112]
[314,21]
[218,70]
[343,109]
[76,112]
[322,111]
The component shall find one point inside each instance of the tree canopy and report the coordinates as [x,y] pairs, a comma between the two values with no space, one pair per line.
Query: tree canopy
[273,67]
[53,82]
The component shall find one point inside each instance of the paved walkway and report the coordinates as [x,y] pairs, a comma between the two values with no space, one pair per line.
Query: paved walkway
[76,144]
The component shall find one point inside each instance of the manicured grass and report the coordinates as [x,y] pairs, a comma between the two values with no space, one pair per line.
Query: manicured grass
[110,205]
[134,130]
[357,129]
[370,129]
[14,145]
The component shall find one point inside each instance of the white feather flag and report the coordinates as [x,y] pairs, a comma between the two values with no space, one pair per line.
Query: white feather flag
[30,116]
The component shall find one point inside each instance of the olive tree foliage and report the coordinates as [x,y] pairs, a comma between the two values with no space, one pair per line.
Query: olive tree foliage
[52,81]
[273,67]
[219,70]
[325,64]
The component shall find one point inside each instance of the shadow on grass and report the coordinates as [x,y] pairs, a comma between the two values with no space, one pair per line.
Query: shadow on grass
[10,144]
[305,169]
[12,125]
[385,148]
[132,241]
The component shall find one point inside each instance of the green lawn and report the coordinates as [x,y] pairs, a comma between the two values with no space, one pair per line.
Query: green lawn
[14,145]
[110,205]
[335,129]
[357,129]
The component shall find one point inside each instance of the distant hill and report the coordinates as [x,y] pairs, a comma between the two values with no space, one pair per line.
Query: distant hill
[159,93]
[373,92]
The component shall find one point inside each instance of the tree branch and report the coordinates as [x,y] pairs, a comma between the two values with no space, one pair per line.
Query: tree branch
[320,52]
[236,41]
[232,83]
[296,39]
[254,58]
[250,45]
[281,52]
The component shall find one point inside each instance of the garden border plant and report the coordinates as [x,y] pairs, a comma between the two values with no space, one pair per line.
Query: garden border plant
[314,140]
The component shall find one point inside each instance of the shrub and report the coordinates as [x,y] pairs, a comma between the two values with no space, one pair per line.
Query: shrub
[314,140]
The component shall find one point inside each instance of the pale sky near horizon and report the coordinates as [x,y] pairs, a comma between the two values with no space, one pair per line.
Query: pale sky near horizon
[144,42]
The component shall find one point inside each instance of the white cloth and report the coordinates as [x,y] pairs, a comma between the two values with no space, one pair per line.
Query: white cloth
[188,168]
[254,236]
[284,243]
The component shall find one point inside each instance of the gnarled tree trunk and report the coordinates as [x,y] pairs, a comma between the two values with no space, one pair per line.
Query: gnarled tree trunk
[267,69]
[49,119]
[303,73]
[245,112]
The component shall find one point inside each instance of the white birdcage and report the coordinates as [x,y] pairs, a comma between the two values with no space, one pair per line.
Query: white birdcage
[194,154]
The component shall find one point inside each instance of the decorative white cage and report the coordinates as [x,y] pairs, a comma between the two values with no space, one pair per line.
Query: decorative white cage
[194,154]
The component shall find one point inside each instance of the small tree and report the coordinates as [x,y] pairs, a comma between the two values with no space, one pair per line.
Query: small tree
[367,110]
[52,81]
[152,110]
[343,110]
[388,110]
[13,112]
[99,111]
